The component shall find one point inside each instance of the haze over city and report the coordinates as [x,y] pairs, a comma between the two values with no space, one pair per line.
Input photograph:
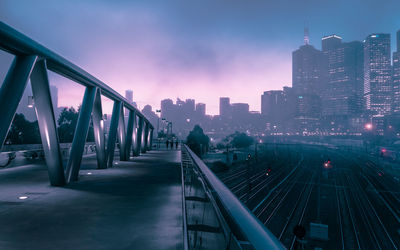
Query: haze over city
[215,124]
[191,50]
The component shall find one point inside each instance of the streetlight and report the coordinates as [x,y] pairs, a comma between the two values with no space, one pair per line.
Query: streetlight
[169,127]
[31,101]
[163,121]
[368,126]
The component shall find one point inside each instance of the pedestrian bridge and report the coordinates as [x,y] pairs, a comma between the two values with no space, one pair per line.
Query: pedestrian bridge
[130,197]
[137,204]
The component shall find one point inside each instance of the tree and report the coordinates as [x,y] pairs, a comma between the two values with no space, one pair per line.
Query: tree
[67,122]
[23,131]
[197,140]
[239,140]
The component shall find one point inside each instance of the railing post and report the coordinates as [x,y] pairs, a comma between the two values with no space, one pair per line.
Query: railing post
[143,141]
[136,152]
[112,134]
[98,128]
[151,138]
[12,90]
[122,136]
[129,133]
[81,132]
[47,124]
[146,137]
[139,136]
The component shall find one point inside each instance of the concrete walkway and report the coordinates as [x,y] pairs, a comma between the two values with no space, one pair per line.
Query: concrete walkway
[135,205]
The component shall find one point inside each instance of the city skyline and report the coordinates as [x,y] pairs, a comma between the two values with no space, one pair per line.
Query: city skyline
[230,54]
[209,124]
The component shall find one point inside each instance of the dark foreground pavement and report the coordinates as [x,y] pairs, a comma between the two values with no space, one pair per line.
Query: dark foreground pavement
[135,205]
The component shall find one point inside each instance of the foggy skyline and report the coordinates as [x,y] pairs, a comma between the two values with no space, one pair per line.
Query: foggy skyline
[200,51]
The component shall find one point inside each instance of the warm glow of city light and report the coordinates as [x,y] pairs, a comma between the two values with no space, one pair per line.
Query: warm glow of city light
[368,126]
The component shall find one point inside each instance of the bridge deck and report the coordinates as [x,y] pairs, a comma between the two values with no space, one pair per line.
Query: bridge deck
[135,205]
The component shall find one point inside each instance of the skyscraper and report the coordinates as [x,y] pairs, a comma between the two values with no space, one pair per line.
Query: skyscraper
[129,97]
[272,104]
[224,107]
[201,110]
[309,73]
[398,40]
[167,108]
[240,110]
[189,107]
[377,74]
[396,76]
[308,70]
[342,94]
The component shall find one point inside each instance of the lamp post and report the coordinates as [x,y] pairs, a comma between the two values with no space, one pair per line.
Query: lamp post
[169,128]
[31,102]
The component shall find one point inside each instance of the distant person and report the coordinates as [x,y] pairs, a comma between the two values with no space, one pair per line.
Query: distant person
[167,143]
[176,144]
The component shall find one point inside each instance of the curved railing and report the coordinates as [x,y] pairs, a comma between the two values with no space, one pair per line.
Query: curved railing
[32,61]
[211,208]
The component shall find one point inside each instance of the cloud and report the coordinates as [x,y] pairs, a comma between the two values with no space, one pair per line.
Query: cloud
[188,49]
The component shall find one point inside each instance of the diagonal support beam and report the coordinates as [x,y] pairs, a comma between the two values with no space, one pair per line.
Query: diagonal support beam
[146,137]
[98,128]
[11,91]
[143,141]
[112,134]
[135,150]
[129,133]
[139,136]
[81,132]
[151,139]
[122,136]
[47,123]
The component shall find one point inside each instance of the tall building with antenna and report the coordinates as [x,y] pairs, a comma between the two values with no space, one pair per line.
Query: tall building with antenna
[306,36]
[308,78]
[308,68]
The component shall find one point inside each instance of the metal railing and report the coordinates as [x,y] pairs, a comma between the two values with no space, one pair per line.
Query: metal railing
[214,218]
[32,61]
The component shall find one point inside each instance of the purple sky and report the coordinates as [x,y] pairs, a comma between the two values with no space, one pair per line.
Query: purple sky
[187,49]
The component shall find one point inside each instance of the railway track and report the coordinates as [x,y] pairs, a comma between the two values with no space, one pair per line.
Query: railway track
[348,228]
[365,206]
[374,227]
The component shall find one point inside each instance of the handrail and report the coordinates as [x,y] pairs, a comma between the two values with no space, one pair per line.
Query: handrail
[254,231]
[17,43]
[184,228]
[32,61]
